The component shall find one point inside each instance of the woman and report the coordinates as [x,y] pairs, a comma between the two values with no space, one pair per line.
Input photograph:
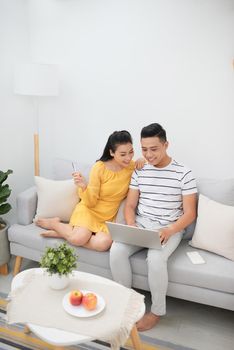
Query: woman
[100,198]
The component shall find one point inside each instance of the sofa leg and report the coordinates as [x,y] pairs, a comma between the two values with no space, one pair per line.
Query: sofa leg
[17,265]
[4,269]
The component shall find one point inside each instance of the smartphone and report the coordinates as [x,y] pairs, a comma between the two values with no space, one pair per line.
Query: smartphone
[74,167]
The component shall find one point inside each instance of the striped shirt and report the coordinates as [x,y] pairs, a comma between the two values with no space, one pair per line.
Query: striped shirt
[161,191]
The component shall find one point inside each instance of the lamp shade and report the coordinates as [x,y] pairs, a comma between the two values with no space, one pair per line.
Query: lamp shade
[36,79]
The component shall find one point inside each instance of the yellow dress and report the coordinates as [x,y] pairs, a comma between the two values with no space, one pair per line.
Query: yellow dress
[101,199]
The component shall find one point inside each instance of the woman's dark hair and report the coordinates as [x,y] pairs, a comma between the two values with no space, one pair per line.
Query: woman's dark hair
[153,130]
[115,139]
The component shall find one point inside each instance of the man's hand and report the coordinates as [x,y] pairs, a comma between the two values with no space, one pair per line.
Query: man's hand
[132,224]
[165,234]
[189,208]
[79,180]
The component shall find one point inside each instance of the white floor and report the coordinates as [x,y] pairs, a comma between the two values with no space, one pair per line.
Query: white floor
[187,324]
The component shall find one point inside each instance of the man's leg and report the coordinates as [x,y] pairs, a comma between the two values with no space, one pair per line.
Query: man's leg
[120,264]
[158,275]
[158,281]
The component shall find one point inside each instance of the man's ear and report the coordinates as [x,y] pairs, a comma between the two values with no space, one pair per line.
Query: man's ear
[166,144]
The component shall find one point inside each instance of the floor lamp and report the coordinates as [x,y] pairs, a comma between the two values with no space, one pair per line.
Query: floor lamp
[36,80]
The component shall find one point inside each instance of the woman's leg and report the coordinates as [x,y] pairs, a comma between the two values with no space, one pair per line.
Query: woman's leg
[52,226]
[100,241]
[78,236]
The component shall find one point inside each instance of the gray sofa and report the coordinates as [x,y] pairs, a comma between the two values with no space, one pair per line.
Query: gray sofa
[211,283]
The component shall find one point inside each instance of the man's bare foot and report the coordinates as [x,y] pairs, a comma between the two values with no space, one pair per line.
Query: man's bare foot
[48,224]
[148,321]
[50,233]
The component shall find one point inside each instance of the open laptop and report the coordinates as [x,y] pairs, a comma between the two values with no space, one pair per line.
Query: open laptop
[134,235]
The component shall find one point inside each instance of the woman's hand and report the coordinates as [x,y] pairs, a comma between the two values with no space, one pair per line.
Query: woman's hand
[139,163]
[79,180]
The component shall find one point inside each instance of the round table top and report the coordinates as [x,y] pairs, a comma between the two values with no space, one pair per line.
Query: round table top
[56,336]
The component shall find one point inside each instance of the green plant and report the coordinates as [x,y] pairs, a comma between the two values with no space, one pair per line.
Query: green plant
[5,192]
[61,260]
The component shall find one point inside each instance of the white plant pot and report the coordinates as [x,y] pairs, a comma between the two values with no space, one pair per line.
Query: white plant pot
[58,282]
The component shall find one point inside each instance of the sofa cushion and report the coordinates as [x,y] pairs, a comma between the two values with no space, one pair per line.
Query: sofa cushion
[214,228]
[55,198]
[217,273]
[29,236]
[221,191]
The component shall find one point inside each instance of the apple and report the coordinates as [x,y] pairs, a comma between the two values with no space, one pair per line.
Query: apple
[75,297]
[89,301]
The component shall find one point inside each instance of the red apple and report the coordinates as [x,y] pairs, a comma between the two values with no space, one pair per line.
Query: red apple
[89,301]
[75,297]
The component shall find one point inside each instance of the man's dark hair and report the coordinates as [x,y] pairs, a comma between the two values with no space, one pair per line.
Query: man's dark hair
[154,130]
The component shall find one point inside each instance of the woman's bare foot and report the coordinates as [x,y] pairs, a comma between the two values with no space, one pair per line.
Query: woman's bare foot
[48,224]
[148,321]
[50,233]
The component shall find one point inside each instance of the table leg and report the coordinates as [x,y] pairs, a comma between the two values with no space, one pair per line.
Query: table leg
[27,330]
[136,341]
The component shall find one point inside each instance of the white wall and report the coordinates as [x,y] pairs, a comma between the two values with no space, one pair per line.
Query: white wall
[124,64]
[128,63]
[16,142]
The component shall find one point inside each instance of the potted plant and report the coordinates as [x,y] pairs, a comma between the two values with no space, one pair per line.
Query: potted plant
[59,262]
[5,192]
[5,207]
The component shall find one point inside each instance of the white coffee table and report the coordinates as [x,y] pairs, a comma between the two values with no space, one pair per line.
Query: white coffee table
[59,338]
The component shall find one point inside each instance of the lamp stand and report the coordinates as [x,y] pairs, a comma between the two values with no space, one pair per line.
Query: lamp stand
[36,137]
[36,155]
[36,80]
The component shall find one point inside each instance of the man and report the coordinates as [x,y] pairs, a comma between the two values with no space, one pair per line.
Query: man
[162,196]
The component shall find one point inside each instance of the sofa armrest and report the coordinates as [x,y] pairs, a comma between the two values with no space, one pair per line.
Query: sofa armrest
[26,203]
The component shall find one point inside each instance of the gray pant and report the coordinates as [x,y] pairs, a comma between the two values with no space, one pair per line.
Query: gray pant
[156,261]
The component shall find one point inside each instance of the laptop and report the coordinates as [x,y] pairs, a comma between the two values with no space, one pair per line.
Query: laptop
[134,235]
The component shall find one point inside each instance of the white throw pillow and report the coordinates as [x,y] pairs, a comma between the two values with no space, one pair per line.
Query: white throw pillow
[55,198]
[214,228]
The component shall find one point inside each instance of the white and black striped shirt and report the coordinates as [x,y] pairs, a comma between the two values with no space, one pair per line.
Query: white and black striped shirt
[161,191]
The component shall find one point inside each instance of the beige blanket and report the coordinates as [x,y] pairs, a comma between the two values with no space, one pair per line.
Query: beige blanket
[35,302]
